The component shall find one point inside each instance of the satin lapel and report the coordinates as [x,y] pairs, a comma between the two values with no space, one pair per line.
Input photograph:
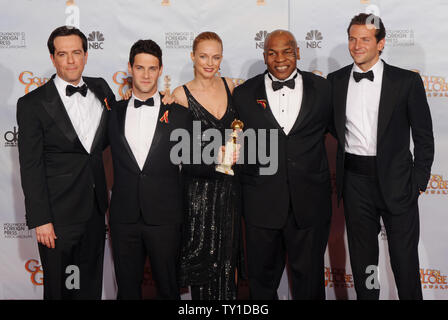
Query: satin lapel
[260,94]
[308,96]
[121,119]
[55,108]
[98,92]
[100,130]
[157,134]
[340,90]
[389,92]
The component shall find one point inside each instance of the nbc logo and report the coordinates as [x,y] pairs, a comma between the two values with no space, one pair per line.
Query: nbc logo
[314,39]
[96,40]
[259,38]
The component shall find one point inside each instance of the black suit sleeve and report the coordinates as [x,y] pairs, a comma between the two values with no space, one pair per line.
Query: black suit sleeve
[32,167]
[422,134]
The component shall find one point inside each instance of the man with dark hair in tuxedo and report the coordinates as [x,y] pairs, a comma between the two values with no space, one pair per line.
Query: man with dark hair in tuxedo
[287,212]
[146,205]
[62,127]
[376,107]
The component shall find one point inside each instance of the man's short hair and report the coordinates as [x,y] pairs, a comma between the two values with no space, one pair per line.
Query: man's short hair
[369,19]
[145,46]
[65,31]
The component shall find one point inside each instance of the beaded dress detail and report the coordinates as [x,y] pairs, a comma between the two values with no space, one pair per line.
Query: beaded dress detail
[211,243]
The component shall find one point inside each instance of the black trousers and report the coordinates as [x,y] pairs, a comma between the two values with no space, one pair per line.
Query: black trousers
[266,255]
[363,207]
[82,246]
[131,244]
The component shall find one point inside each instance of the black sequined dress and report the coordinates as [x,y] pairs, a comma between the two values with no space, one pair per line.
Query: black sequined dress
[211,243]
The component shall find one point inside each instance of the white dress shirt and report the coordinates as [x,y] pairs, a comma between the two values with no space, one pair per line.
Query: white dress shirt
[363,101]
[84,112]
[140,125]
[285,103]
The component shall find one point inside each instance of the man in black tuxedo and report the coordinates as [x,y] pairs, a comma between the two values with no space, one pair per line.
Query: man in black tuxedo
[287,212]
[62,136]
[146,205]
[376,106]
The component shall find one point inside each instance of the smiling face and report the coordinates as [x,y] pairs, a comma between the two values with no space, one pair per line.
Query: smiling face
[207,58]
[280,54]
[69,58]
[145,73]
[363,46]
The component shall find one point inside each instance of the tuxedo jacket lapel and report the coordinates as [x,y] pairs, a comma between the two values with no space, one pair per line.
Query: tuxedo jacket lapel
[55,108]
[389,92]
[101,130]
[157,134]
[308,96]
[340,90]
[260,94]
[92,85]
[121,121]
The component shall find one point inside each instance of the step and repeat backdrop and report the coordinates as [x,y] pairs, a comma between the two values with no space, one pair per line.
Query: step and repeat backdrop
[416,39]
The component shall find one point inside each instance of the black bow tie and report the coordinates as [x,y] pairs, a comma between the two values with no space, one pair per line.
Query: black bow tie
[139,103]
[70,90]
[277,85]
[358,76]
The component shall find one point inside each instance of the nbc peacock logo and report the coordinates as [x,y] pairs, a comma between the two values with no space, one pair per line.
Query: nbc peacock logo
[96,40]
[260,36]
[314,39]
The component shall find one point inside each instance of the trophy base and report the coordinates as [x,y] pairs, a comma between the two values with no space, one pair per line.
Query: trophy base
[225,169]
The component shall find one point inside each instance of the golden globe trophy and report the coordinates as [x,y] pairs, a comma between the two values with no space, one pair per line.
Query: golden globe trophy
[227,158]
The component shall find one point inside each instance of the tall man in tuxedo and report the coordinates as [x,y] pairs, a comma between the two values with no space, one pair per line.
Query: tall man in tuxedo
[62,136]
[376,106]
[146,205]
[287,212]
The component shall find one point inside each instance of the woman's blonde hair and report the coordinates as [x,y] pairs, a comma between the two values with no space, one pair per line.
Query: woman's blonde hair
[207,35]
